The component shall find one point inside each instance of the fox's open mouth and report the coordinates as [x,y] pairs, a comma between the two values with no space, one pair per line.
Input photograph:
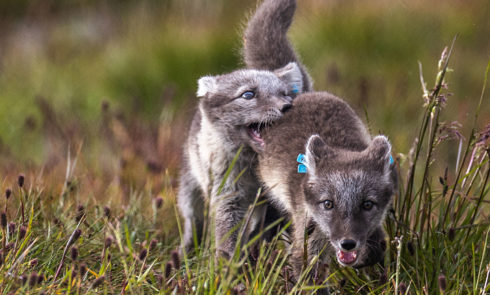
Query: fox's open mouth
[254,131]
[347,258]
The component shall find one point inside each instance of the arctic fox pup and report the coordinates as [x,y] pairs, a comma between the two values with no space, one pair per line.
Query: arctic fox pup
[318,160]
[233,110]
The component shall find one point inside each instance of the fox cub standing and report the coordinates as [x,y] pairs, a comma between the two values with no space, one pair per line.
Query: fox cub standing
[232,111]
[321,166]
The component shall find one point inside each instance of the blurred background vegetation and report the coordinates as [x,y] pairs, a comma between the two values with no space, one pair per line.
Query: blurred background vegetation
[111,83]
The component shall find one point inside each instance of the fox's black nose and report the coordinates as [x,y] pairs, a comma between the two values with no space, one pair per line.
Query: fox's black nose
[286,107]
[348,244]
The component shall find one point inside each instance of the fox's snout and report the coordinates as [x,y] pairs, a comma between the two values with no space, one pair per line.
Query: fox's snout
[348,244]
[282,103]
[285,107]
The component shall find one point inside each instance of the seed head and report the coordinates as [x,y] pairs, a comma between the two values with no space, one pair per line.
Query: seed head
[22,232]
[33,262]
[80,212]
[176,259]
[484,138]
[98,281]
[168,269]
[159,202]
[83,269]
[108,242]
[8,193]
[402,288]
[57,222]
[153,244]
[159,279]
[410,248]
[442,283]
[9,246]
[33,279]
[451,233]
[4,220]
[235,290]
[143,254]
[20,180]
[76,235]
[74,253]
[40,279]
[107,212]
[11,228]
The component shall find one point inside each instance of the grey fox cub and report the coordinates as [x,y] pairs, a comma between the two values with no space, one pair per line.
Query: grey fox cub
[344,184]
[341,196]
[233,110]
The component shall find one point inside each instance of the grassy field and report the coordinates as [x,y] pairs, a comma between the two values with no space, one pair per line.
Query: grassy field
[95,99]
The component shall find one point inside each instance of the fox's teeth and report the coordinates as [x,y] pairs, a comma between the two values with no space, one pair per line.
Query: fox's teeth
[347,257]
[254,133]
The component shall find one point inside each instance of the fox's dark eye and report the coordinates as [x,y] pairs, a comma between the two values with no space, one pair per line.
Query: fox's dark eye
[248,95]
[367,205]
[328,205]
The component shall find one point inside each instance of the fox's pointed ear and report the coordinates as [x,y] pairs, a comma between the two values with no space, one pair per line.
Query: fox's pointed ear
[315,150]
[206,85]
[292,76]
[379,151]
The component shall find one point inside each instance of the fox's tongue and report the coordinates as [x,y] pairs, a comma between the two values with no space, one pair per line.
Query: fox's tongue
[254,133]
[347,257]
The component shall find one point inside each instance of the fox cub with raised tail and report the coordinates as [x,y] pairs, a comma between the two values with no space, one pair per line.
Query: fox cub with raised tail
[318,161]
[233,110]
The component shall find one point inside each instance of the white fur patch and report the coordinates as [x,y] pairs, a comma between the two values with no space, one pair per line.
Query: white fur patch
[383,140]
[210,154]
[206,84]
[348,183]
[277,183]
[310,156]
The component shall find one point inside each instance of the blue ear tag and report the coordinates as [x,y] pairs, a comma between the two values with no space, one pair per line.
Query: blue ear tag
[295,88]
[391,160]
[302,161]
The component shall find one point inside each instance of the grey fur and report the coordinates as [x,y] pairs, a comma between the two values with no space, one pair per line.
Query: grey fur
[222,124]
[266,45]
[343,162]
[344,166]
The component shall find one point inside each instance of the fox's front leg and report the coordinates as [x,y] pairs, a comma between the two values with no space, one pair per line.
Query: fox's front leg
[319,245]
[308,243]
[298,255]
[191,205]
[229,210]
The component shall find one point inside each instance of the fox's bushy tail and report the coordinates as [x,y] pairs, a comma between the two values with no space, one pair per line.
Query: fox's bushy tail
[266,45]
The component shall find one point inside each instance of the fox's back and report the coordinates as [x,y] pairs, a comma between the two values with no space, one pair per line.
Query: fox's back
[315,113]
[312,113]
